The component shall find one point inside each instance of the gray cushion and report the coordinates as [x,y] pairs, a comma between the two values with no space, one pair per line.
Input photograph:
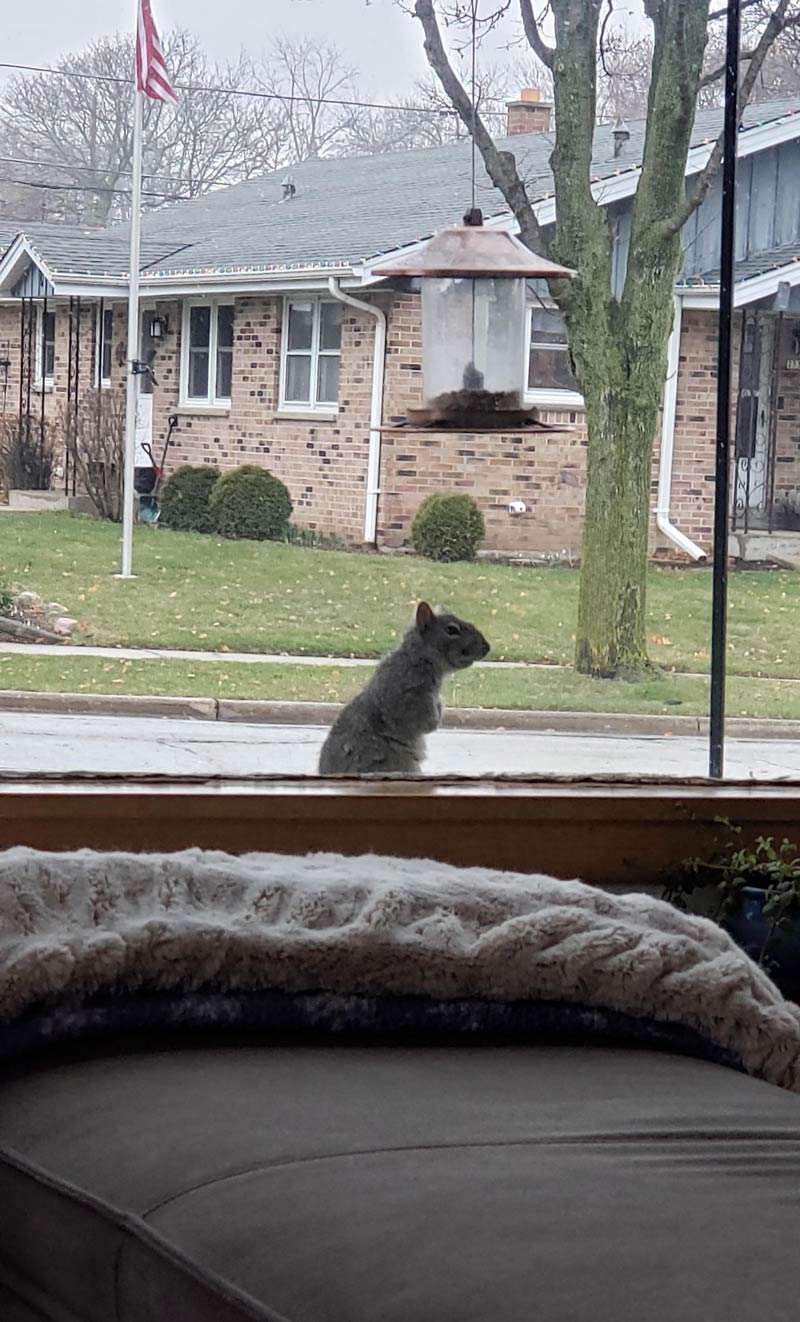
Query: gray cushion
[374,1184]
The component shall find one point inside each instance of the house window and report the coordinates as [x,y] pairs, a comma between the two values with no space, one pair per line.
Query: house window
[105,340]
[312,340]
[207,368]
[46,350]
[549,370]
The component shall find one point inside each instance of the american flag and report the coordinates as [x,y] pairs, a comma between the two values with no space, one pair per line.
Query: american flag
[151,71]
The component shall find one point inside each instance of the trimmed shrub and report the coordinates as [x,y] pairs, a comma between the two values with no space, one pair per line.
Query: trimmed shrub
[448,527]
[250,503]
[184,498]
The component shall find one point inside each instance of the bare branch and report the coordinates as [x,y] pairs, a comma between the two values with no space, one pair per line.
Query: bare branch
[723,13]
[719,72]
[535,39]
[601,44]
[500,166]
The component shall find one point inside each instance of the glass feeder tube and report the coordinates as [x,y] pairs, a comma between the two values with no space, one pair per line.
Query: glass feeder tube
[473,343]
[472,282]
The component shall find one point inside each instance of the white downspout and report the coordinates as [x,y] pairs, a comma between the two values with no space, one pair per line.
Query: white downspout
[663,521]
[376,407]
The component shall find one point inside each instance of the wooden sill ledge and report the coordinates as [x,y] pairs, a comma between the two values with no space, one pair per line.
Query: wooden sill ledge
[622,831]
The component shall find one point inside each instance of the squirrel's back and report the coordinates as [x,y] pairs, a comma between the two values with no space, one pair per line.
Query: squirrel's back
[382,729]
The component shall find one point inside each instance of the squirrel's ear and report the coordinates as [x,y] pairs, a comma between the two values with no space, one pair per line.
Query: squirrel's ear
[424,616]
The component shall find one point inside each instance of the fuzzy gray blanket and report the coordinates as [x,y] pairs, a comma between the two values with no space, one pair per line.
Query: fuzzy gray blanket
[73,925]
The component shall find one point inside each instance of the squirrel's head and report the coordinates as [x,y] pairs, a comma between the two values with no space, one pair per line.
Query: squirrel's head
[458,643]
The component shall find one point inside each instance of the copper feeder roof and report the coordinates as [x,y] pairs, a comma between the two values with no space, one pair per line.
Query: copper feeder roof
[471,251]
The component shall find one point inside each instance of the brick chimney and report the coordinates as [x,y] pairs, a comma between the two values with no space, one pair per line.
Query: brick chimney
[528,115]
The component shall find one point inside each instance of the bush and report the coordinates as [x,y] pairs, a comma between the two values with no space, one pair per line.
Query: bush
[94,439]
[26,454]
[448,528]
[184,498]
[250,503]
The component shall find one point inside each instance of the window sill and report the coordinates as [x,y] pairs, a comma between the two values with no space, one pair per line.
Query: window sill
[45,388]
[566,400]
[628,833]
[190,410]
[307,415]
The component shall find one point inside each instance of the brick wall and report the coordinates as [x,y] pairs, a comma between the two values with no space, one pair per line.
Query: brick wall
[692,502]
[546,472]
[55,394]
[323,462]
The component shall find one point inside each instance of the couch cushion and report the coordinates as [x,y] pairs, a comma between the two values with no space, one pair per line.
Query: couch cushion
[346,1184]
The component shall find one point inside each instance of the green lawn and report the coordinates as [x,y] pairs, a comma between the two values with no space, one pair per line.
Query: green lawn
[206,594]
[527,690]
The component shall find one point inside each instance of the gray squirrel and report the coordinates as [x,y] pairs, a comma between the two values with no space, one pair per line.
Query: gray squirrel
[382,729]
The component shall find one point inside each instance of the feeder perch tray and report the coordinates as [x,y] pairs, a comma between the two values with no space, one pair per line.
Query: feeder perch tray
[475,420]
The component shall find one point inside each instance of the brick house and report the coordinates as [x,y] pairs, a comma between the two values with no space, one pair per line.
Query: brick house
[278,342]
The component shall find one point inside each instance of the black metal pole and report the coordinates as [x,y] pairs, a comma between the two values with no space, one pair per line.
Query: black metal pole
[724,357]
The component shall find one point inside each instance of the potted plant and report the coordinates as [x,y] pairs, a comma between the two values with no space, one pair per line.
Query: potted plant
[757,900]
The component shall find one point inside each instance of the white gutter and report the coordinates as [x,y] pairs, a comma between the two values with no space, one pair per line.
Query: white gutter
[376,406]
[663,521]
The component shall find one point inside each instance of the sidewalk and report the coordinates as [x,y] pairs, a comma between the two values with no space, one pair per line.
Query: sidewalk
[282,658]
[246,658]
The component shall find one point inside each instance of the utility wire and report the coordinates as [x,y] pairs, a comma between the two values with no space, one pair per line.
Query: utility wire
[92,169]
[241,91]
[88,188]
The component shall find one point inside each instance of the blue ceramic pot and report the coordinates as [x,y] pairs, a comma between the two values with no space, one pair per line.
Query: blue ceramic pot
[750,929]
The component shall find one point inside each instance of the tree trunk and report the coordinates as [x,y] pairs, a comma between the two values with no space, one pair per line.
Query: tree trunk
[610,639]
[622,388]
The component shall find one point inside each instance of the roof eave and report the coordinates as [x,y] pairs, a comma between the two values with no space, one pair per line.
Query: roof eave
[17,258]
[747,291]
[612,188]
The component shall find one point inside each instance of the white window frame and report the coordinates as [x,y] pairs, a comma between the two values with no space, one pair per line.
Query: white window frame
[299,406]
[211,403]
[553,399]
[41,381]
[102,311]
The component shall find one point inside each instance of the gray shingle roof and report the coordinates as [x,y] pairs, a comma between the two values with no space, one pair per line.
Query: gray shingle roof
[345,210]
[771,260]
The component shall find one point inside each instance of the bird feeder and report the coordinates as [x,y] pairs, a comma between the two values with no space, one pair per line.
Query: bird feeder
[474,328]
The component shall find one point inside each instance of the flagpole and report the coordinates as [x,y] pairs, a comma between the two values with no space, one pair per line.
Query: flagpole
[133,344]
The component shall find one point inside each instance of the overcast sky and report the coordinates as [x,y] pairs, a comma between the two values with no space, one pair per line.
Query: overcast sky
[378,38]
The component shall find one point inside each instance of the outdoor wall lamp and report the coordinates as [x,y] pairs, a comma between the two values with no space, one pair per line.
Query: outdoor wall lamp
[158,327]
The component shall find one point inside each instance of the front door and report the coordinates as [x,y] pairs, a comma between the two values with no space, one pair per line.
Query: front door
[144,404]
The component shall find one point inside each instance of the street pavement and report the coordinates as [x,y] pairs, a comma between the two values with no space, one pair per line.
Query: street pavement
[33,743]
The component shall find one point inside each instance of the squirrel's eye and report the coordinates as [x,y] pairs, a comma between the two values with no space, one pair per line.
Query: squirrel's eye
[452,629]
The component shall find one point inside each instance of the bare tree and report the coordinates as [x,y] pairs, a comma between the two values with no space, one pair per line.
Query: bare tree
[425,117]
[80,129]
[618,345]
[623,75]
[315,92]
[93,437]
[779,75]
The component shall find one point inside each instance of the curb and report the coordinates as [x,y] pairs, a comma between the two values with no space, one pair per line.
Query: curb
[323,713]
[109,704]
